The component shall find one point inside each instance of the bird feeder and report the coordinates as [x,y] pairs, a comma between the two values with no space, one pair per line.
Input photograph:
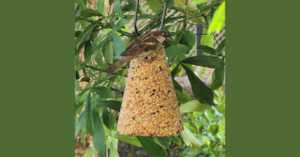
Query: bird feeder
[150,106]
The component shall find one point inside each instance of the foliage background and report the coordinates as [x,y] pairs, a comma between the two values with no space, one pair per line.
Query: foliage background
[103,32]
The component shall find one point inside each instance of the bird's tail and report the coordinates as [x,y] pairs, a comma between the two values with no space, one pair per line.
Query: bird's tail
[115,66]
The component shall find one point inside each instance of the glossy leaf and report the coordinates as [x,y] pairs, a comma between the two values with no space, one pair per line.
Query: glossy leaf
[103,92]
[82,135]
[205,61]
[217,78]
[89,152]
[208,39]
[176,140]
[108,119]
[155,5]
[82,4]
[207,49]
[200,90]
[101,6]
[88,51]
[89,116]
[193,106]
[177,86]
[84,35]
[188,38]
[119,46]
[108,52]
[80,122]
[120,24]
[128,139]
[175,50]
[182,97]
[112,104]
[90,13]
[113,147]
[164,141]
[99,136]
[118,8]
[218,20]
[151,147]
[220,48]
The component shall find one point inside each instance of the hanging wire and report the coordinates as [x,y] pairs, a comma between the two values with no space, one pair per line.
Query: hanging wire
[163,17]
[135,17]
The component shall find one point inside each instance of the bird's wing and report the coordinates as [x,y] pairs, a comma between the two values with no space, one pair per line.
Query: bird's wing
[145,42]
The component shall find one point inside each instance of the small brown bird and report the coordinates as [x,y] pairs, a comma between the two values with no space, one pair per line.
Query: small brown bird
[142,47]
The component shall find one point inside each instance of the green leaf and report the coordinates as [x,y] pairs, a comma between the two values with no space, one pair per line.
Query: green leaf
[199,1]
[205,61]
[207,49]
[188,39]
[113,147]
[99,136]
[217,78]
[189,139]
[220,47]
[128,139]
[176,140]
[175,50]
[108,119]
[108,52]
[175,83]
[82,135]
[200,90]
[84,35]
[89,152]
[164,141]
[214,129]
[82,4]
[112,104]
[101,6]
[177,86]
[218,21]
[88,51]
[90,13]
[118,8]
[100,45]
[103,92]
[155,5]
[80,123]
[193,106]
[151,147]
[119,46]
[208,39]
[182,97]
[120,24]
[89,115]
[174,71]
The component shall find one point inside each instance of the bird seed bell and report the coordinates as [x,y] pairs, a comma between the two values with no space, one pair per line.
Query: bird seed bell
[150,106]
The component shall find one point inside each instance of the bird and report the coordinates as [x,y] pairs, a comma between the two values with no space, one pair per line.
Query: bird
[142,47]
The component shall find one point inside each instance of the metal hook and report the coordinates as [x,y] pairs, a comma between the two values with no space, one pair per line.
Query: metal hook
[135,17]
[163,17]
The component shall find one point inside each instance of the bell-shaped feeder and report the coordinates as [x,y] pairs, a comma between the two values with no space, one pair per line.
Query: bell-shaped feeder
[150,106]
